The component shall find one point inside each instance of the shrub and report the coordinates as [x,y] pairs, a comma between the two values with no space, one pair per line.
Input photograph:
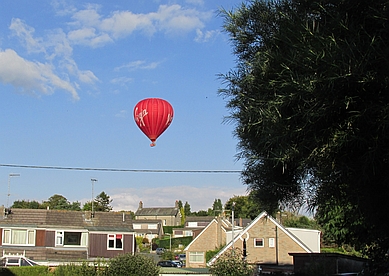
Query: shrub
[84,269]
[168,255]
[134,265]
[231,263]
[25,271]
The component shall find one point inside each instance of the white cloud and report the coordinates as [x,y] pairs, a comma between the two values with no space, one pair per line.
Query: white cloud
[199,198]
[174,18]
[195,2]
[88,24]
[138,65]
[58,52]
[205,36]
[122,80]
[31,76]
[121,114]
[25,32]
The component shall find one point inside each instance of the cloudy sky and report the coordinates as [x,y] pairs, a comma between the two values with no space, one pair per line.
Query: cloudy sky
[71,73]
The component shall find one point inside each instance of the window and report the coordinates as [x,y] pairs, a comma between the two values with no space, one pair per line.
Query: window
[258,242]
[19,236]
[152,226]
[192,224]
[64,238]
[115,241]
[196,257]
[137,226]
[188,233]
[271,242]
[59,238]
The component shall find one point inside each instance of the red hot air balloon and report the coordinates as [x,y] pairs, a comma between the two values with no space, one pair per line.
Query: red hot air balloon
[153,116]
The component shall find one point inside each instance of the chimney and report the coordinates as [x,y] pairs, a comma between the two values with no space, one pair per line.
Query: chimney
[240,222]
[176,204]
[140,205]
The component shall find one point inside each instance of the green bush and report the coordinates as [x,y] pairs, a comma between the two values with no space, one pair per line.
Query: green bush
[168,255]
[84,269]
[231,263]
[25,271]
[132,265]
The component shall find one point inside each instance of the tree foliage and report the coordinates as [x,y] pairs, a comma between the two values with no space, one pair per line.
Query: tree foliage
[310,99]
[245,207]
[217,207]
[231,263]
[59,202]
[26,204]
[101,203]
[135,265]
[187,209]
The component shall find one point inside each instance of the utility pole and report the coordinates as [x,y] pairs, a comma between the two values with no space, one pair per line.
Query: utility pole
[93,182]
[233,224]
[9,187]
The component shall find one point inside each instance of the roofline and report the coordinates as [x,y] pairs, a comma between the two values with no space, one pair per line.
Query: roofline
[203,230]
[260,216]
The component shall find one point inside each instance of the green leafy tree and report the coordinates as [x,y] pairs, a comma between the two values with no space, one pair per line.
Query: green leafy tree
[231,263]
[59,202]
[179,203]
[310,99]
[26,204]
[182,211]
[187,209]
[200,213]
[245,207]
[217,207]
[299,222]
[101,203]
[134,265]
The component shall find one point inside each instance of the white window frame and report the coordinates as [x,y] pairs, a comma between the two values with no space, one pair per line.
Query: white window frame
[114,238]
[272,242]
[259,239]
[60,238]
[10,235]
[59,235]
[196,257]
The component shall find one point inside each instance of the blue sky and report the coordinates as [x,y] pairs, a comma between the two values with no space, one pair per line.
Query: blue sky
[71,73]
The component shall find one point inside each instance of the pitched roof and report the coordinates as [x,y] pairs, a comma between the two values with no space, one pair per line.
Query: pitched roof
[224,224]
[199,218]
[42,218]
[247,228]
[157,211]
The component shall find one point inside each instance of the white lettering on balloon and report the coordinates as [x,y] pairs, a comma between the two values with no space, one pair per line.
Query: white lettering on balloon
[169,119]
[139,116]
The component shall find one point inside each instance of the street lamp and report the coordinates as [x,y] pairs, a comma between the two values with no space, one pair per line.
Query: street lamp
[9,186]
[233,222]
[170,244]
[93,182]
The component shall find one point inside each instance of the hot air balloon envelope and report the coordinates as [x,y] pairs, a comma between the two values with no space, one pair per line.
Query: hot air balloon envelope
[153,116]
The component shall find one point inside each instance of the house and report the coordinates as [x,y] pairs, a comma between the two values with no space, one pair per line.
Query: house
[193,226]
[266,241]
[216,234]
[65,235]
[149,229]
[170,216]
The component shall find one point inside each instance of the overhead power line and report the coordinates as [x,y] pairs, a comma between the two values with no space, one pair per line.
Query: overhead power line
[115,169]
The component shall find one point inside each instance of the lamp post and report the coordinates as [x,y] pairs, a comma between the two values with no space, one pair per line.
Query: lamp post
[233,222]
[9,186]
[93,182]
